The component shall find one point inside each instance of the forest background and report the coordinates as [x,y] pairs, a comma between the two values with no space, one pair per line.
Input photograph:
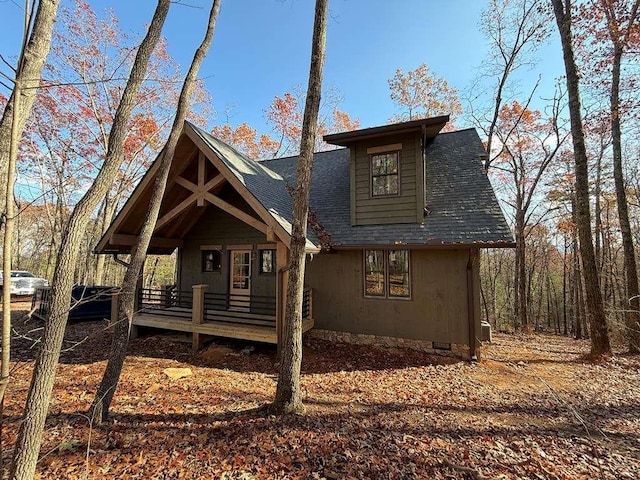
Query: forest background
[495,65]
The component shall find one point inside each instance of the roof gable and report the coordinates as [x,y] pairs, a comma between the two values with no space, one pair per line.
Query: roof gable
[264,191]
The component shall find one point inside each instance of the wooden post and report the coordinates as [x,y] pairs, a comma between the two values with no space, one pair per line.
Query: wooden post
[166,296]
[197,313]
[282,262]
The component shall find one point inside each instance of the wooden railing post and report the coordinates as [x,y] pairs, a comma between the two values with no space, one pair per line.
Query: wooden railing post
[197,313]
[166,296]
[310,303]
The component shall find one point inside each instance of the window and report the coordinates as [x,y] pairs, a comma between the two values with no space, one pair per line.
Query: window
[211,261]
[374,273]
[266,261]
[385,174]
[398,277]
[386,274]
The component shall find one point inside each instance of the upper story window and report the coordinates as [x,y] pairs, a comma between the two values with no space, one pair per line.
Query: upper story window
[385,174]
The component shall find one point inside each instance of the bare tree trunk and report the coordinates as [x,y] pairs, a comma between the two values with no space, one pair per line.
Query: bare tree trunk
[34,54]
[522,303]
[578,299]
[600,344]
[37,404]
[632,312]
[34,51]
[564,285]
[288,397]
[120,342]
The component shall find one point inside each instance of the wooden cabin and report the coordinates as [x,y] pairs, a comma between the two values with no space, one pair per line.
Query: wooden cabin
[397,219]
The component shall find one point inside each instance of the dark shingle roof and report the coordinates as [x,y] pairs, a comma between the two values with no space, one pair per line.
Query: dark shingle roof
[463,207]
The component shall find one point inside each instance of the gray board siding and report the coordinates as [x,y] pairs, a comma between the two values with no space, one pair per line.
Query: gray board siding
[219,228]
[399,208]
[437,310]
[463,209]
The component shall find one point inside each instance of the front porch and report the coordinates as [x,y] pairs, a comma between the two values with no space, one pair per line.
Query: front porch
[202,313]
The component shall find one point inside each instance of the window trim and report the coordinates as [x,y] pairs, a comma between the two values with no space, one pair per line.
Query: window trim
[398,154]
[387,293]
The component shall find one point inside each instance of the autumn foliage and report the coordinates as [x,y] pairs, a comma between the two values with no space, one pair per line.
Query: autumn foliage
[420,94]
[284,117]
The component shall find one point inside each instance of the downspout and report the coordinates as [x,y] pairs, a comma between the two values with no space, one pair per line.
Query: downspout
[471,308]
[120,261]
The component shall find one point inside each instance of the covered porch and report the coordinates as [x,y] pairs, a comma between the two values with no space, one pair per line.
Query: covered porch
[208,314]
[229,220]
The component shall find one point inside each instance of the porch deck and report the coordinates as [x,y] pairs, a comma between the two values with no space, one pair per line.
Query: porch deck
[202,313]
[239,329]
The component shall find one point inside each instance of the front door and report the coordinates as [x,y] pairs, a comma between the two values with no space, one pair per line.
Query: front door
[240,281]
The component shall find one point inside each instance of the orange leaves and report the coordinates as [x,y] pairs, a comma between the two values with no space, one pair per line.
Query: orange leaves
[421,93]
[342,122]
[245,139]
[284,115]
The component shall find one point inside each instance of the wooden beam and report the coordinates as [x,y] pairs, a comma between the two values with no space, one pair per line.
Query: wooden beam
[239,186]
[205,187]
[146,182]
[130,240]
[236,212]
[201,167]
[183,182]
[271,235]
[167,217]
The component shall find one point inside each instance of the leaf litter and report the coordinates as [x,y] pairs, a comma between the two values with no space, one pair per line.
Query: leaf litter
[532,408]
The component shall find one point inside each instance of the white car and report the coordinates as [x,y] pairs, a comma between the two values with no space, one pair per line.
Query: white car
[23,282]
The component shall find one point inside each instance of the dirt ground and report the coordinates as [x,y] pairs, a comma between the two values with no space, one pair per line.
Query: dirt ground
[531,408]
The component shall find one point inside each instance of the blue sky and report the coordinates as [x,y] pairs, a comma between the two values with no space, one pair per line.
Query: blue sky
[261,48]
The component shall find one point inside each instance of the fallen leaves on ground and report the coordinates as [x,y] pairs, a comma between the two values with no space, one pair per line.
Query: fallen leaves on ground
[531,409]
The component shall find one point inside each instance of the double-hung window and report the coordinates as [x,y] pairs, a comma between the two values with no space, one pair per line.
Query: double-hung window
[386,274]
[385,174]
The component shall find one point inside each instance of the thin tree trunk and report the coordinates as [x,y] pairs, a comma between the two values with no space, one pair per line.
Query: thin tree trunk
[600,344]
[37,404]
[632,311]
[119,344]
[288,397]
[521,273]
[564,284]
[34,55]
[34,51]
[578,300]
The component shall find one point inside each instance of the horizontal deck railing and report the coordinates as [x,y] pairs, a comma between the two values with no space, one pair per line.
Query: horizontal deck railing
[40,302]
[167,301]
[260,304]
[216,307]
[306,303]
